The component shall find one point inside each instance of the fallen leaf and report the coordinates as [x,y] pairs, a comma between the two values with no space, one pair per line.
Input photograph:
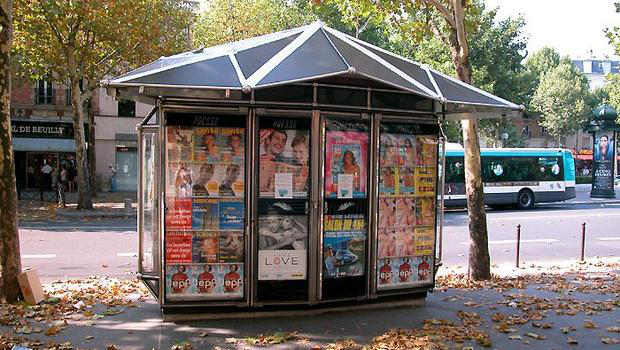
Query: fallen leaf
[89,337]
[515,337]
[613,329]
[572,341]
[607,340]
[589,324]
[53,330]
[203,334]
[536,336]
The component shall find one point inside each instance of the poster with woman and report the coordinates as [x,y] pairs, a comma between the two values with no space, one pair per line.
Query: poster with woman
[603,165]
[284,160]
[346,164]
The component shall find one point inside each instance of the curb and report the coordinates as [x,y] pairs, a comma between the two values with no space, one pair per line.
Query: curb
[91,214]
[615,201]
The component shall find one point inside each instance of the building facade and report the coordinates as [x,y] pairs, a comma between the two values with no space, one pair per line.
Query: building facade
[42,129]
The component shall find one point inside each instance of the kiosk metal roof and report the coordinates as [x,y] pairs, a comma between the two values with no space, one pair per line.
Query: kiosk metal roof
[306,54]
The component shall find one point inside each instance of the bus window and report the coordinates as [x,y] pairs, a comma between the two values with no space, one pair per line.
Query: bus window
[455,170]
[549,169]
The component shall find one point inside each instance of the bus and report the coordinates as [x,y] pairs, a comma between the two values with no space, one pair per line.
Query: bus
[513,176]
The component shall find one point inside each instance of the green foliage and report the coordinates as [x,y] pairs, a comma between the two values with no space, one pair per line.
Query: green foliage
[613,34]
[542,61]
[612,92]
[232,20]
[561,98]
[92,39]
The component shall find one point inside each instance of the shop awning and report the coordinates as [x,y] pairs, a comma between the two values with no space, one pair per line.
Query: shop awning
[306,54]
[29,144]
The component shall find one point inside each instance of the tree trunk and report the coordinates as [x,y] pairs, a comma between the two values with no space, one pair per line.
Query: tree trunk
[83,178]
[92,169]
[10,261]
[479,259]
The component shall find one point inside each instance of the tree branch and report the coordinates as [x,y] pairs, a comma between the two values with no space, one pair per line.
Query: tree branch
[459,16]
[444,11]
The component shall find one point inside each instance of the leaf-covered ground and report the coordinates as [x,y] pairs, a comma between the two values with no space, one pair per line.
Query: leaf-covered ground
[539,307]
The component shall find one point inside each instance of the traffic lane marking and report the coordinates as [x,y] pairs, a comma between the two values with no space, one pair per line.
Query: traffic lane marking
[608,238]
[512,241]
[38,256]
[512,218]
[129,255]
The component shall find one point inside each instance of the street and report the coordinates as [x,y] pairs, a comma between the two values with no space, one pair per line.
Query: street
[73,249]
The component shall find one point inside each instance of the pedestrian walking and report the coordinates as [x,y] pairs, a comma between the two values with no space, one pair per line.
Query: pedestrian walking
[62,186]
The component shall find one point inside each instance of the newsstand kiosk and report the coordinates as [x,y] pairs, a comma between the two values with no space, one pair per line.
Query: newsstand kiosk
[296,168]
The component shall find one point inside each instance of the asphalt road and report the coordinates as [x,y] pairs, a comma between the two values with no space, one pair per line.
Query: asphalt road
[60,250]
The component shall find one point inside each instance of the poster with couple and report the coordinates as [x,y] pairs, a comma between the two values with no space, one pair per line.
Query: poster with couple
[284,161]
[397,150]
[282,247]
[346,164]
[404,272]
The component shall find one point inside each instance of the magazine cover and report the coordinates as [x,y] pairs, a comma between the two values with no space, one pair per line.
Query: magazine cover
[205,247]
[346,164]
[406,150]
[179,214]
[204,281]
[231,246]
[178,247]
[387,212]
[179,179]
[426,149]
[387,181]
[424,241]
[406,181]
[205,214]
[386,242]
[231,215]
[344,245]
[405,213]
[217,145]
[389,155]
[179,143]
[218,180]
[284,163]
[425,211]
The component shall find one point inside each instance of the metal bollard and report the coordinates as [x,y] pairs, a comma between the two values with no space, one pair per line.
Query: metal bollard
[518,242]
[583,241]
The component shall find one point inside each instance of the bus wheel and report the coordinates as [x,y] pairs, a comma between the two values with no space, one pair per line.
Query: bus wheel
[525,199]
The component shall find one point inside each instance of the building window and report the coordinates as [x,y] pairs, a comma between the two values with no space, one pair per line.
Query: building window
[126,108]
[68,91]
[44,92]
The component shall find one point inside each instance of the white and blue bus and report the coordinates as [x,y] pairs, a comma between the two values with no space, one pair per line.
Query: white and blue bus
[514,176]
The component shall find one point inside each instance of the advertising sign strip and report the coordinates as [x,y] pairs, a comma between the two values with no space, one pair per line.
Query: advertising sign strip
[603,164]
[282,253]
[204,281]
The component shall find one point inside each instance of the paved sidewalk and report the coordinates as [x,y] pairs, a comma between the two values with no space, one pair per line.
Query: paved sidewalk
[106,205]
[540,307]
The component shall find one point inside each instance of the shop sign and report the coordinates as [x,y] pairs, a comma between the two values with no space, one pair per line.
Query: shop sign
[37,129]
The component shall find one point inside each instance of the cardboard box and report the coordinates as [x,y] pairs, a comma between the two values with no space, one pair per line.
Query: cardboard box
[31,287]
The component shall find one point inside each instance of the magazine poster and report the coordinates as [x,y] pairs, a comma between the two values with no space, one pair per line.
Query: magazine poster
[397,150]
[425,211]
[396,272]
[425,181]
[205,247]
[178,247]
[282,247]
[424,241]
[179,179]
[344,246]
[218,180]
[405,212]
[205,214]
[284,160]
[217,145]
[204,281]
[179,143]
[387,181]
[406,181]
[179,214]
[231,215]
[395,242]
[346,155]
[231,246]
[387,212]
[426,149]
[423,268]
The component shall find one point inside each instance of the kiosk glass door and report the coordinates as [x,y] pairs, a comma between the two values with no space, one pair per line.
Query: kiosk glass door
[407,196]
[283,208]
[345,209]
[204,238]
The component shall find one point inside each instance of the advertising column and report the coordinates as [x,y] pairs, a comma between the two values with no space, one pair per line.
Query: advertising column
[284,181]
[345,209]
[407,192]
[205,210]
[603,164]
